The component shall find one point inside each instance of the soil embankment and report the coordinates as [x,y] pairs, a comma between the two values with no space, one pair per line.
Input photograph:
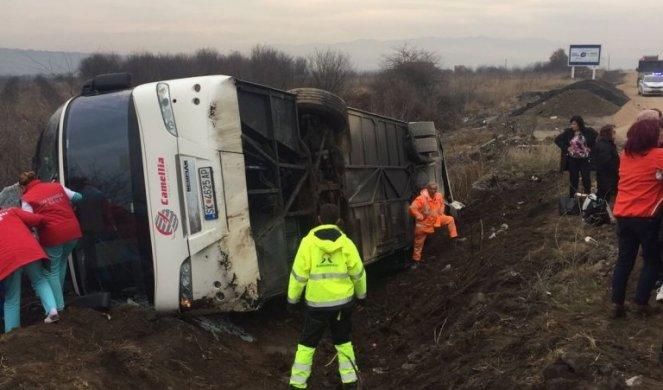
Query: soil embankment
[522,303]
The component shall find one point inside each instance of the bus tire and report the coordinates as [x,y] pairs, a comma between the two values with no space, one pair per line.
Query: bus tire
[323,104]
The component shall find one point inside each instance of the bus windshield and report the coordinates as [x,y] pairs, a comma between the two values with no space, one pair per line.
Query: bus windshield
[103,161]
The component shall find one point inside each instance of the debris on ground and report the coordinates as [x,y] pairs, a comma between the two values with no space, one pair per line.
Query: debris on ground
[634,381]
[221,324]
[503,228]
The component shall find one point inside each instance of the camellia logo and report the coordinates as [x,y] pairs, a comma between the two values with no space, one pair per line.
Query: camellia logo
[166,222]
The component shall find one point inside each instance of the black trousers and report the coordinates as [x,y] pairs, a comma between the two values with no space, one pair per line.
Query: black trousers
[317,321]
[606,183]
[633,233]
[579,167]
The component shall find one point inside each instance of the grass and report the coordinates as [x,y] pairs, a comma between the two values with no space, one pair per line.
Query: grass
[463,175]
[536,158]
[488,90]
[533,159]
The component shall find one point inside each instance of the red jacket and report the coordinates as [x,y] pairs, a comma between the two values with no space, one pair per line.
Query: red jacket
[18,246]
[639,194]
[51,201]
[426,210]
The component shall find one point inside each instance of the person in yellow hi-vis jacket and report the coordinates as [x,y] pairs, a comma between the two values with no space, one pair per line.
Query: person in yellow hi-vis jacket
[329,267]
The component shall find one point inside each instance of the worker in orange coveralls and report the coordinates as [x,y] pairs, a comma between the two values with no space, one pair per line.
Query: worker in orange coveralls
[428,210]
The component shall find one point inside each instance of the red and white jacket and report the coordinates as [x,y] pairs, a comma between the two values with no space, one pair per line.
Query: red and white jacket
[18,246]
[53,202]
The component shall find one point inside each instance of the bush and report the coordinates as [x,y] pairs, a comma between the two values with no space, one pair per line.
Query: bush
[330,70]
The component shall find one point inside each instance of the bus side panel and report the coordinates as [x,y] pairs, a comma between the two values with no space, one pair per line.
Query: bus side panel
[276,180]
[378,183]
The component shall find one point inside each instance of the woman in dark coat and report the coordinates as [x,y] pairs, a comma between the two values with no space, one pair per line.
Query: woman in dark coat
[576,144]
[606,160]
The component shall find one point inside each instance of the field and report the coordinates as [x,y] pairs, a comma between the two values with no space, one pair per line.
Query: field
[523,302]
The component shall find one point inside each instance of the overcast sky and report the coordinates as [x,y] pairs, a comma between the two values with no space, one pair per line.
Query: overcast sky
[625,28]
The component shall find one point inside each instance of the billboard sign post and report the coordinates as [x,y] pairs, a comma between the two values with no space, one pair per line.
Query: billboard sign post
[584,55]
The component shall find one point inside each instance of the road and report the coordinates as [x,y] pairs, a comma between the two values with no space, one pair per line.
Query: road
[625,117]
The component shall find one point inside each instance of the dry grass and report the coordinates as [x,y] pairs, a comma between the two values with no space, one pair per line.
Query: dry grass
[489,90]
[537,158]
[463,175]
[24,112]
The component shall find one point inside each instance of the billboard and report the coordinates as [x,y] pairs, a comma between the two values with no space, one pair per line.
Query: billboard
[584,55]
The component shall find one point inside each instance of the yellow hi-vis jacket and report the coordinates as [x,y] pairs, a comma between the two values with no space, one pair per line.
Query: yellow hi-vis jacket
[328,265]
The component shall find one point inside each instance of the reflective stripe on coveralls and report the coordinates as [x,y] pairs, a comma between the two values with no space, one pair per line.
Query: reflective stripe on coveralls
[301,369]
[347,365]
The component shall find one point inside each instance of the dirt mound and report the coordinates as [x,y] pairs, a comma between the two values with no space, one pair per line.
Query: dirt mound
[575,102]
[593,97]
[130,348]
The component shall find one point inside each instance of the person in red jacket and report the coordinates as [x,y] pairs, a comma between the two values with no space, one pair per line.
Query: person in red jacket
[19,251]
[428,210]
[637,208]
[60,231]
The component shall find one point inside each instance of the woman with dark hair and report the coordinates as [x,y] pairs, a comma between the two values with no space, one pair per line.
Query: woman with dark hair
[606,160]
[639,198]
[576,143]
[60,231]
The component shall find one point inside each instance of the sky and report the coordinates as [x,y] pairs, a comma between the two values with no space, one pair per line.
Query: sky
[627,29]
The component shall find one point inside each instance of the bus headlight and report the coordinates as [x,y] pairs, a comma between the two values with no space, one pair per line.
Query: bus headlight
[166,105]
[186,284]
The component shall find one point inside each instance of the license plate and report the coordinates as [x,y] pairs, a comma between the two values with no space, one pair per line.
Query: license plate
[207,193]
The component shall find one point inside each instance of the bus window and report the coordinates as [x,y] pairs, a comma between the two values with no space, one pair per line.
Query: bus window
[103,162]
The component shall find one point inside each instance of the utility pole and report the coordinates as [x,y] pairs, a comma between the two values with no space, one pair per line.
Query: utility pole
[608,61]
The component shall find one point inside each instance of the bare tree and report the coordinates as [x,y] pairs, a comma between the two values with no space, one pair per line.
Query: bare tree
[98,64]
[420,68]
[330,70]
[273,67]
[411,86]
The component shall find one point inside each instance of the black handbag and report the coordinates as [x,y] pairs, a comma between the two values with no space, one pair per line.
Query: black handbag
[595,211]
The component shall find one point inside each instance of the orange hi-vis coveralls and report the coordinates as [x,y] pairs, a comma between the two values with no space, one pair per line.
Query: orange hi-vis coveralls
[429,214]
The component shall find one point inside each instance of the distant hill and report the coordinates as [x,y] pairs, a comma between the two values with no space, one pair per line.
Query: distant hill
[17,62]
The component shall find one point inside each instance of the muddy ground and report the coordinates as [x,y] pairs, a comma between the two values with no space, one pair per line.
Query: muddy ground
[526,309]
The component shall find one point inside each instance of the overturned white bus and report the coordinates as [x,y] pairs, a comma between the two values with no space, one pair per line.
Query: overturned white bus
[197,191]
